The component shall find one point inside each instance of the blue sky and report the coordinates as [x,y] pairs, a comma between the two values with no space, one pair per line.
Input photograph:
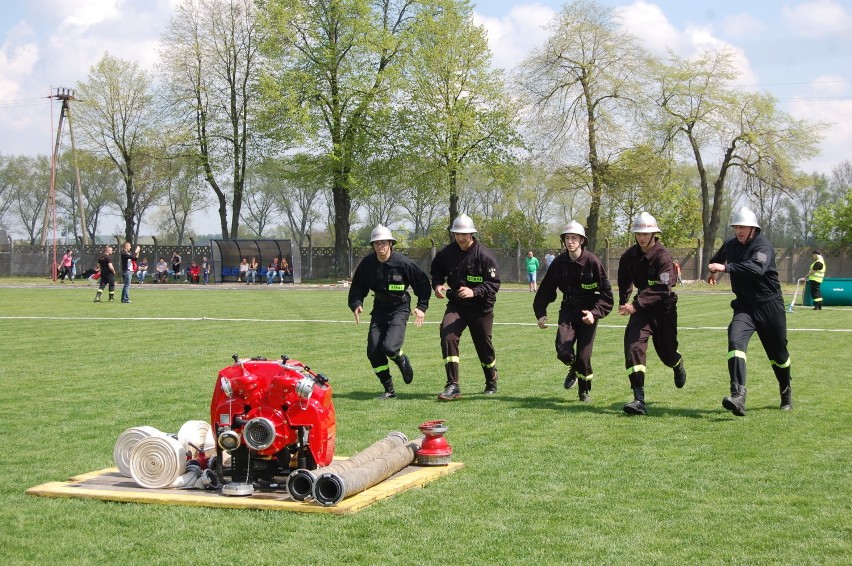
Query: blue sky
[800,50]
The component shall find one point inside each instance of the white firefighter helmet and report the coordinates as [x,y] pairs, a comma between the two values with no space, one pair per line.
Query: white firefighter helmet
[574,227]
[463,224]
[381,233]
[745,217]
[644,223]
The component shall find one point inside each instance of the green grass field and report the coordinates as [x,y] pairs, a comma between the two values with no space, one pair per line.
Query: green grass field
[546,479]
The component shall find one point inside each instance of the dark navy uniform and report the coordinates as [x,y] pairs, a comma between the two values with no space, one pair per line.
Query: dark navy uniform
[475,268]
[652,275]
[107,277]
[585,286]
[389,281]
[758,307]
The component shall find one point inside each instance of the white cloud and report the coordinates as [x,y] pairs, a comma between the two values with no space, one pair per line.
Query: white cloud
[742,26]
[648,23]
[818,18]
[514,36]
[83,15]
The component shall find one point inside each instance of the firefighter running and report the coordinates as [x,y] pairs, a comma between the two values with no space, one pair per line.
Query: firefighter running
[388,274]
[465,273]
[749,259]
[648,267]
[586,298]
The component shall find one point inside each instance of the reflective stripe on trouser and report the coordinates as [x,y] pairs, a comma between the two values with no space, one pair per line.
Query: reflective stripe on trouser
[452,327]
[661,328]
[769,321]
[385,337]
[573,332]
[816,292]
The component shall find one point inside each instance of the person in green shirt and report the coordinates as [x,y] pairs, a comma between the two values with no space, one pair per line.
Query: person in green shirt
[532,270]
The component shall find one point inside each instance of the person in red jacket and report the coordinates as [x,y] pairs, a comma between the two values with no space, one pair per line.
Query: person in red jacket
[647,267]
[465,273]
[586,298]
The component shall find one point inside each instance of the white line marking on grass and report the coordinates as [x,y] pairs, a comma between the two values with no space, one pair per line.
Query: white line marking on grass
[331,321]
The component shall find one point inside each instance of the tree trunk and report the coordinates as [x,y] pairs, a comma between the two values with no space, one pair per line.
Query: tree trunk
[342,208]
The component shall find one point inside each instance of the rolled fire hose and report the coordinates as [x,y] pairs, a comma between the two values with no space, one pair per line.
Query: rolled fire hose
[197,436]
[157,461]
[300,483]
[125,443]
[331,489]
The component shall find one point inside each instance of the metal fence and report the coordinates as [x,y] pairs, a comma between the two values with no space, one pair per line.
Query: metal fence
[318,263]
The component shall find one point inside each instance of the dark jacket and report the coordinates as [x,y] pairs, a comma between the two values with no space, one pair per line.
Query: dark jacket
[583,283]
[388,281]
[475,268]
[751,266]
[652,274]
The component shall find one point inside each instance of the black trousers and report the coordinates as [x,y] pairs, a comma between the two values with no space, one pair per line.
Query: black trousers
[769,320]
[816,293]
[386,335]
[660,325]
[107,279]
[572,331]
[452,327]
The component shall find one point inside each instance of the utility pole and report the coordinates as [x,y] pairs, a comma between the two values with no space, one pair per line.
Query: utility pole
[66,96]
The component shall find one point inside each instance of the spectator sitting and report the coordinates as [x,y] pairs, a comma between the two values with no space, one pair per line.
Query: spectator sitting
[242,276]
[161,273]
[253,268]
[93,274]
[142,270]
[272,271]
[176,265]
[284,269]
[193,273]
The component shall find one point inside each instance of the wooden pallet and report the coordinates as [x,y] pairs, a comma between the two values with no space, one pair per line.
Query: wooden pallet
[109,485]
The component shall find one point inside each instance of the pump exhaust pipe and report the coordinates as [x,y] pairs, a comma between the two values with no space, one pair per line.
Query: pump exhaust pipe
[300,483]
[332,488]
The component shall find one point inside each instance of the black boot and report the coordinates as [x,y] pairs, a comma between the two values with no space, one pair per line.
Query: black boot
[787,398]
[450,393]
[571,378]
[736,402]
[405,368]
[490,381]
[387,382]
[679,374]
[583,389]
[637,406]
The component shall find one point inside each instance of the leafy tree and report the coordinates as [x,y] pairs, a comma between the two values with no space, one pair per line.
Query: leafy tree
[456,109]
[582,86]
[834,223]
[101,182]
[117,120]
[28,178]
[211,65]
[341,61]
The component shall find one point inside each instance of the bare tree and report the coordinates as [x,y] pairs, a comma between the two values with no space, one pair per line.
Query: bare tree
[702,113]
[583,84]
[210,65]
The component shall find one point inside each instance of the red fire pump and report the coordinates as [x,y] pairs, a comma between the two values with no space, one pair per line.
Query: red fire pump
[271,416]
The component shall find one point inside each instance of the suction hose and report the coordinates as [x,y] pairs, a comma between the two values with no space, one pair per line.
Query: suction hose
[332,488]
[300,483]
